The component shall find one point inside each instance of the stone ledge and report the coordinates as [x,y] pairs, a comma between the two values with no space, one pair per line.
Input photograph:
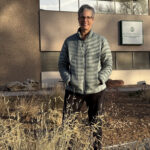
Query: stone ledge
[145,144]
[47,91]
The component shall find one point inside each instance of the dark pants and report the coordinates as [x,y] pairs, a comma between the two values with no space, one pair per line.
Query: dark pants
[74,102]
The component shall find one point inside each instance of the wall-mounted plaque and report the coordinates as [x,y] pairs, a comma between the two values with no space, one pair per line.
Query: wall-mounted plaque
[131,32]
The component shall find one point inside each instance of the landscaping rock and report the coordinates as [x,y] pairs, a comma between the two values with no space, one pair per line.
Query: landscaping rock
[114,83]
[29,84]
[141,83]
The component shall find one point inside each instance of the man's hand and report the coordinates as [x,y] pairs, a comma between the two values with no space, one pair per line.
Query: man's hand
[100,82]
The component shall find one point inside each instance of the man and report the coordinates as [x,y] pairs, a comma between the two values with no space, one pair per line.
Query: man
[85,64]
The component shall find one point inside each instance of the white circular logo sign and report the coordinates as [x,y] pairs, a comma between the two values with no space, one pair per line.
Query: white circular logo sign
[132,29]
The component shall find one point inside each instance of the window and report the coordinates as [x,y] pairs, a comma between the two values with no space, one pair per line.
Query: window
[131,60]
[123,7]
[140,7]
[124,60]
[92,3]
[141,60]
[49,4]
[49,61]
[106,6]
[137,7]
[69,5]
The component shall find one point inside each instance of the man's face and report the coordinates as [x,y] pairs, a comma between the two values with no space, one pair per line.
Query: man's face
[86,20]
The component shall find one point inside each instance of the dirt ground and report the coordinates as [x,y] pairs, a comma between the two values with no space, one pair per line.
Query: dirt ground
[126,116]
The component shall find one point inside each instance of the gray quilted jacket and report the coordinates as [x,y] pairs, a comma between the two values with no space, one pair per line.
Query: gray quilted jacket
[85,65]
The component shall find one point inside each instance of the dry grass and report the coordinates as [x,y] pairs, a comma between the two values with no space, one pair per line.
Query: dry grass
[36,125]
[35,122]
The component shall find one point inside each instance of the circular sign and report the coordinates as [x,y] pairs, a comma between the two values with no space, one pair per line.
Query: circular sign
[132,29]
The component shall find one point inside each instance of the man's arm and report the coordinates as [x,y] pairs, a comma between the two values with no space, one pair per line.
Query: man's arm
[106,62]
[63,64]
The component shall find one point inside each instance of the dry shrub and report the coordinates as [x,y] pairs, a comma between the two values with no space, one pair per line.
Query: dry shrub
[47,132]
[28,108]
[57,90]
[4,106]
[72,134]
[12,136]
[121,123]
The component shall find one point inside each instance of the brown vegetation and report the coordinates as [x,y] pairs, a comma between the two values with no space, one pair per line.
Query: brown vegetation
[35,122]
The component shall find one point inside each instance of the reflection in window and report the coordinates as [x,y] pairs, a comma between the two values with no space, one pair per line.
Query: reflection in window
[92,3]
[140,7]
[124,6]
[106,6]
[137,7]
[49,61]
[69,5]
[124,60]
[141,60]
[49,4]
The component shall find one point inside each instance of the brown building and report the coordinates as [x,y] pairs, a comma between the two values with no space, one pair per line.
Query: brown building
[31,38]
[19,40]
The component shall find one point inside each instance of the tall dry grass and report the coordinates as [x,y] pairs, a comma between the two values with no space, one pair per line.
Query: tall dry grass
[35,123]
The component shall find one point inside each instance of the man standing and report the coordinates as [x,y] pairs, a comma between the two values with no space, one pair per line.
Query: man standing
[85,64]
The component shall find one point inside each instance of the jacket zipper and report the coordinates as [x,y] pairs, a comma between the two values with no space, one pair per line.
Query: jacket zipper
[84,71]
[84,87]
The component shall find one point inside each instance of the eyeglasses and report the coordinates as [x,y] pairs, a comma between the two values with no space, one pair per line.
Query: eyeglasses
[86,17]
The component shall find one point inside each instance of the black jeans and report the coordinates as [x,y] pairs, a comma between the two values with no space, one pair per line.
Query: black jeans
[74,102]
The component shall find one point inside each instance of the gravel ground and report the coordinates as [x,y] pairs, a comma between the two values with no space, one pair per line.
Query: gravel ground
[127,119]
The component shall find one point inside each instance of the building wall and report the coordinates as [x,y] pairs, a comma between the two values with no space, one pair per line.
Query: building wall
[56,26]
[131,77]
[132,63]
[19,40]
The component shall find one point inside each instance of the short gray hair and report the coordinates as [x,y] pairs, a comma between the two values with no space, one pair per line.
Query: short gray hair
[83,7]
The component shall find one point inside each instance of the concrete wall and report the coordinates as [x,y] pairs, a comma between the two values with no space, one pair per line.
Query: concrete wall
[56,26]
[131,77]
[19,40]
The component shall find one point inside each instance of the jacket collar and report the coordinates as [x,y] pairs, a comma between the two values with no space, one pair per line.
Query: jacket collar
[88,36]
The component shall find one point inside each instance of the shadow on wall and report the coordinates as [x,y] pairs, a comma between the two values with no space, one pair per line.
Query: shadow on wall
[55,28]
[19,40]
